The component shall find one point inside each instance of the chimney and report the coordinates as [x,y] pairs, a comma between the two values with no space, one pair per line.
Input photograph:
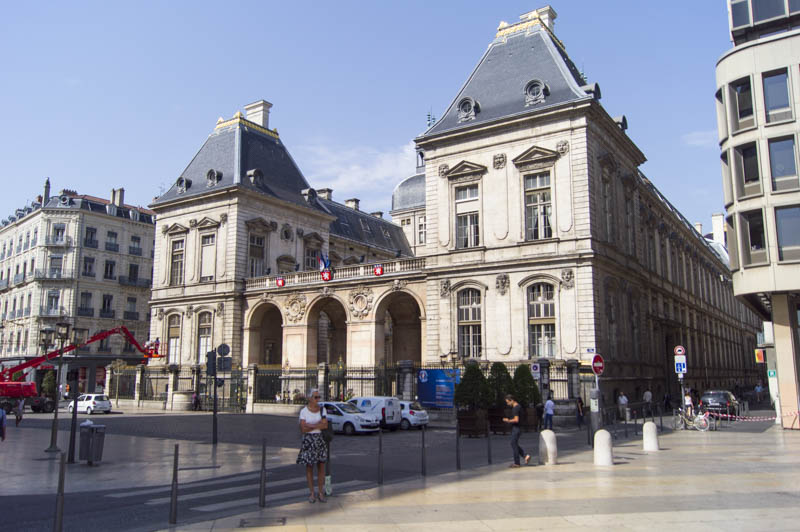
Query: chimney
[118,196]
[698,227]
[718,228]
[547,15]
[258,113]
[325,193]
[46,191]
[377,214]
[352,203]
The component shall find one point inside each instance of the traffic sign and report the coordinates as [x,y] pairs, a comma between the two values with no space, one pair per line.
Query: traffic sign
[223,350]
[679,350]
[680,363]
[598,364]
[536,371]
[771,373]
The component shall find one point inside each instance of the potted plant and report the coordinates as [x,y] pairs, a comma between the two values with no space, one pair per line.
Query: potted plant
[527,394]
[500,384]
[471,397]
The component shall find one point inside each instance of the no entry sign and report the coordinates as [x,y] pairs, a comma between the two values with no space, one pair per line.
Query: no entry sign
[598,365]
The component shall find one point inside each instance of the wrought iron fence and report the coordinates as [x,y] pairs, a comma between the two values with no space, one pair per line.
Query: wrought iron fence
[231,391]
[122,384]
[185,381]
[559,381]
[155,384]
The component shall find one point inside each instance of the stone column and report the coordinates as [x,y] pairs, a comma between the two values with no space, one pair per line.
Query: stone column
[406,390]
[252,371]
[573,378]
[322,380]
[544,379]
[137,392]
[787,360]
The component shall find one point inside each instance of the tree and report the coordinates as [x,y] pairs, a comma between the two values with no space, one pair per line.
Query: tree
[500,384]
[525,389]
[472,393]
[49,385]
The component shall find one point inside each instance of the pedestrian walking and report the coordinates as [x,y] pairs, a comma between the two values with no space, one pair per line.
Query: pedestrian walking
[549,410]
[647,397]
[622,401]
[516,432]
[2,424]
[579,412]
[313,451]
[195,401]
[19,411]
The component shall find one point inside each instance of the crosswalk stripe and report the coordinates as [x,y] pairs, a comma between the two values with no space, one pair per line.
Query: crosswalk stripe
[275,497]
[225,491]
[166,489]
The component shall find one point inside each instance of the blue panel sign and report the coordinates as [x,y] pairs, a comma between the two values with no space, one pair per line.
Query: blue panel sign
[436,387]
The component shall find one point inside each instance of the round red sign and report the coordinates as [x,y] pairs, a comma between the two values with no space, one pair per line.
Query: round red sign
[598,365]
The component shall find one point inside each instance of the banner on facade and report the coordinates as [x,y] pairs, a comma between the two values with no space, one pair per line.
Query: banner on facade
[760,356]
[436,387]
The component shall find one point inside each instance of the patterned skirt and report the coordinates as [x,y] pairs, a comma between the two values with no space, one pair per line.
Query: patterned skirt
[313,450]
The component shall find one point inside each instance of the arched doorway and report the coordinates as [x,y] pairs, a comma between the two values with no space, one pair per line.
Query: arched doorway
[398,329]
[266,335]
[327,333]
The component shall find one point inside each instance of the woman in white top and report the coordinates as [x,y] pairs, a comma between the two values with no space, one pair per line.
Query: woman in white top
[313,450]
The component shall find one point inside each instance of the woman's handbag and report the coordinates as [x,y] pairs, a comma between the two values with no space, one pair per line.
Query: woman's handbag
[327,434]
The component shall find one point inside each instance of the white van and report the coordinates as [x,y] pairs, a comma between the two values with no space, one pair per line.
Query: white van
[387,409]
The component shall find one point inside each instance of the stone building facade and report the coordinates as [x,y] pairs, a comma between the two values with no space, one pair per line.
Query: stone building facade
[542,241]
[80,259]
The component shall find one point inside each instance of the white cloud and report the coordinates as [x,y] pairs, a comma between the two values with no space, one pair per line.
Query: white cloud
[701,139]
[360,172]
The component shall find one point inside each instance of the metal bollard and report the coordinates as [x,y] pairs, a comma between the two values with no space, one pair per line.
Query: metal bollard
[661,416]
[173,499]
[626,425]
[589,435]
[58,524]
[635,423]
[424,460]
[458,446]
[488,444]
[262,486]
[380,457]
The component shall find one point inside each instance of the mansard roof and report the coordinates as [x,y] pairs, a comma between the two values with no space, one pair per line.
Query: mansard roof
[366,228]
[524,70]
[240,154]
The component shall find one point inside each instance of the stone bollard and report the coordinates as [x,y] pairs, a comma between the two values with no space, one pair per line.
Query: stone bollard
[548,450]
[603,448]
[650,436]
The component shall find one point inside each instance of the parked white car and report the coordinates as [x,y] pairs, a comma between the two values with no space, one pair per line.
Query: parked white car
[387,409]
[347,418]
[413,415]
[92,402]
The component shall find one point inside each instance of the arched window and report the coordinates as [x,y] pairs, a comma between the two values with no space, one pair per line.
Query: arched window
[203,336]
[173,339]
[541,320]
[469,323]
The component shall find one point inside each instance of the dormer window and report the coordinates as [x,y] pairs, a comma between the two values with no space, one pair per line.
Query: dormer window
[256,176]
[535,92]
[212,177]
[467,108]
[183,184]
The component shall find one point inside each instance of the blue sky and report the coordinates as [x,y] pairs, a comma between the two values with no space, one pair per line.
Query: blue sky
[98,95]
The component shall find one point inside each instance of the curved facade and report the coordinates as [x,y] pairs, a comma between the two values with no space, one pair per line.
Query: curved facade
[758,112]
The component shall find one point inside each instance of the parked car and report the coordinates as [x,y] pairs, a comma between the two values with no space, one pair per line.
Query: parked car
[721,401]
[413,415]
[92,402]
[347,418]
[386,408]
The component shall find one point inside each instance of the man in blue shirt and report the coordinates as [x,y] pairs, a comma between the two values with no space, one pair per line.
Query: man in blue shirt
[549,410]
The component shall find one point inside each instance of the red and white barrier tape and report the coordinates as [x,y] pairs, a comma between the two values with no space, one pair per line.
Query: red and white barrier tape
[749,418]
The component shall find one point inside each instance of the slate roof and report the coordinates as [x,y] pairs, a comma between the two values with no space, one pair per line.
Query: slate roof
[71,200]
[409,193]
[519,54]
[366,228]
[236,147]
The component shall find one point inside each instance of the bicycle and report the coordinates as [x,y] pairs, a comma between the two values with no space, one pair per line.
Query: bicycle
[680,421]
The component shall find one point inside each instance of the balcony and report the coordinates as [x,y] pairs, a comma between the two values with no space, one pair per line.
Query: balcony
[52,312]
[86,312]
[54,274]
[19,278]
[58,241]
[130,315]
[106,313]
[391,269]
[135,251]
[27,312]
[134,281]
[90,243]
[111,246]
[88,274]
[3,284]
[103,348]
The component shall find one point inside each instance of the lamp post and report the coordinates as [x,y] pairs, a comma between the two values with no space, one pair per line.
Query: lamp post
[73,426]
[61,332]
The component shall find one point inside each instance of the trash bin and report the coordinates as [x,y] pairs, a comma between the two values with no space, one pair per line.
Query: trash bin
[91,444]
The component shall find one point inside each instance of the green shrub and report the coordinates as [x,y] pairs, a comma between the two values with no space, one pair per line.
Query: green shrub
[525,389]
[49,385]
[473,391]
[500,384]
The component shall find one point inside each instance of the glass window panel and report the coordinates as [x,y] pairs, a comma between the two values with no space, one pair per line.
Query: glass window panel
[766,9]
[776,93]
[740,13]
[744,99]
[782,164]
[794,5]
[750,163]
[787,222]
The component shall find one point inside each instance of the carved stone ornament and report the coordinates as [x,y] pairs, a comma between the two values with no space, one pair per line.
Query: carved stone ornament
[444,288]
[286,232]
[567,278]
[193,223]
[399,284]
[326,291]
[223,218]
[562,147]
[295,307]
[266,296]
[499,161]
[189,312]
[501,283]
[443,169]
[220,307]
[361,301]
[165,229]
[160,314]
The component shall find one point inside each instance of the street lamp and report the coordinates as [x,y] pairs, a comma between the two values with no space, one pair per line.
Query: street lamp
[73,426]
[47,337]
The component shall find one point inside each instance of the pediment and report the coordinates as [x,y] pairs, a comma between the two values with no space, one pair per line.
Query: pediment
[261,224]
[175,229]
[313,238]
[207,223]
[352,259]
[335,257]
[536,156]
[465,168]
